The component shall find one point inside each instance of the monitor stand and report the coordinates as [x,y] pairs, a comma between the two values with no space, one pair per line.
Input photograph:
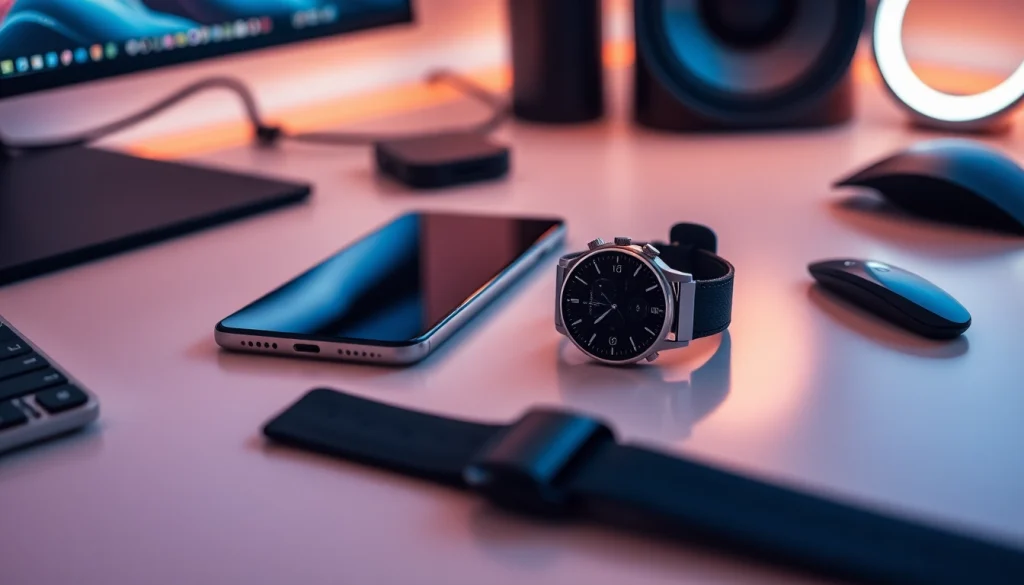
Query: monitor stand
[65,207]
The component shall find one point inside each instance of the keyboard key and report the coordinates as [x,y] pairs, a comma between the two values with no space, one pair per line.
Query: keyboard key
[11,416]
[30,383]
[21,365]
[11,346]
[61,398]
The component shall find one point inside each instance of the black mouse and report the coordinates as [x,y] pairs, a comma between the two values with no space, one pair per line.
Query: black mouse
[895,295]
[951,180]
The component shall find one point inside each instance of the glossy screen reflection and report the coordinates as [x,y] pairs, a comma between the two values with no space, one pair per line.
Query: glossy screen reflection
[397,284]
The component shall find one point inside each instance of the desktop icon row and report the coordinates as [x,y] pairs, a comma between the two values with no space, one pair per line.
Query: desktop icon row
[54,59]
[326,14]
[237,30]
[240,29]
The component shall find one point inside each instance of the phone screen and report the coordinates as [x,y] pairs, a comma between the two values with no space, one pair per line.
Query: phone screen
[397,284]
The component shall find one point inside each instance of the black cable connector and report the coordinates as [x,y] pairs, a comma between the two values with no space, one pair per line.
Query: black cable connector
[266,134]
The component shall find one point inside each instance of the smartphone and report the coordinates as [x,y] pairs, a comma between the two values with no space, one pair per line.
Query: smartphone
[397,294]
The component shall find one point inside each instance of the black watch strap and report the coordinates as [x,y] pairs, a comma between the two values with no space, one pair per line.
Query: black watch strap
[693,248]
[553,462]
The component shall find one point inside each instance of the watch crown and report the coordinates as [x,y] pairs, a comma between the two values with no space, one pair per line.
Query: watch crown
[596,243]
[620,241]
[650,251]
[652,357]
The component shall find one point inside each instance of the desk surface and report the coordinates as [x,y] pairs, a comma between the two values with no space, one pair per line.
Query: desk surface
[175,484]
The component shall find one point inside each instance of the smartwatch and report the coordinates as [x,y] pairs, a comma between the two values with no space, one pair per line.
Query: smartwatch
[624,302]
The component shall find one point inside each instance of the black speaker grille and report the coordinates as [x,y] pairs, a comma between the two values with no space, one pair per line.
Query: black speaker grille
[659,62]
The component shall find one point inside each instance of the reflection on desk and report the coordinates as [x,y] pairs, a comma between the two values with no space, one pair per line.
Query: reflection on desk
[657,402]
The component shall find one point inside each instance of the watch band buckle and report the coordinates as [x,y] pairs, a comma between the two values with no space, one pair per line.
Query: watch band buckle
[522,467]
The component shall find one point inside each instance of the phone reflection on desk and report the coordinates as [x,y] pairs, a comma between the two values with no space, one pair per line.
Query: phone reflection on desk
[660,402]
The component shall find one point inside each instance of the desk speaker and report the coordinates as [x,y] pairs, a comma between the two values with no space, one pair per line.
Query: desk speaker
[557,75]
[707,65]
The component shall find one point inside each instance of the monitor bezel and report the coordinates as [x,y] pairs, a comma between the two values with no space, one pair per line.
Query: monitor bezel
[122,67]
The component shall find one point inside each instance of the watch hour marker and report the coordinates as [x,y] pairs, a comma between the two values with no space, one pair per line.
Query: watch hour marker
[591,342]
[633,343]
[648,329]
[638,269]
[577,322]
[574,301]
[649,289]
[581,280]
[597,268]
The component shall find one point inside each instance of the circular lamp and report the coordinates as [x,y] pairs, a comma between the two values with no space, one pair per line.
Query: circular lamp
[983,111]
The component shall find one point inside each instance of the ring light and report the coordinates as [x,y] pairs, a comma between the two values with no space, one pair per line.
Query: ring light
[965,112]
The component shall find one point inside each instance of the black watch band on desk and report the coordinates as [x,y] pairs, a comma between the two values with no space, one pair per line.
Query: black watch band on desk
[693,248]
[556,463]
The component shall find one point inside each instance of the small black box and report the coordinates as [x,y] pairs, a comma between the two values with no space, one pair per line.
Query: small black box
[442,160]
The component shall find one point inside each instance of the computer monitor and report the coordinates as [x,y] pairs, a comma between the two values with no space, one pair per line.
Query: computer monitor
[66,206]
[46,44]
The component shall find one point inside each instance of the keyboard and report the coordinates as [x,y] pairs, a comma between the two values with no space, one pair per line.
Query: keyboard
[38,398]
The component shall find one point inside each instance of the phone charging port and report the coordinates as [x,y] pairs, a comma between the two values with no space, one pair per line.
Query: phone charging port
[306,348]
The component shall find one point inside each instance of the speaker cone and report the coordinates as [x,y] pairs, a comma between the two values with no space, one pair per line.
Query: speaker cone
[746,62]
[748,24]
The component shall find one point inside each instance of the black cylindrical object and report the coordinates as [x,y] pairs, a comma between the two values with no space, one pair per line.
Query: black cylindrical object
[556,60]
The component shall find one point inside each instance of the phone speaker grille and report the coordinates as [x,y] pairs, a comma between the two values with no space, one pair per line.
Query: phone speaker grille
[359,354]
[348,353]
[259,344]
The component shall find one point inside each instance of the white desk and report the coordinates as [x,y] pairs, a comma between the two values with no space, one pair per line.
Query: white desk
[175,484]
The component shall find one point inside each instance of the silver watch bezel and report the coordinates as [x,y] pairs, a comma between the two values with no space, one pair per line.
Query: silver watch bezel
[666,290]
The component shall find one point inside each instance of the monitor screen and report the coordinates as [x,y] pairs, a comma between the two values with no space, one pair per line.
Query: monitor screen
[51,43]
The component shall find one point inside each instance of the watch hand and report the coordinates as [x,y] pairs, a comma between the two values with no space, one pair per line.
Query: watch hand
[601,318]
[614,306]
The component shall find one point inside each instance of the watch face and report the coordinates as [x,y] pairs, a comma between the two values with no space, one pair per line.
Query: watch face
[613,306]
